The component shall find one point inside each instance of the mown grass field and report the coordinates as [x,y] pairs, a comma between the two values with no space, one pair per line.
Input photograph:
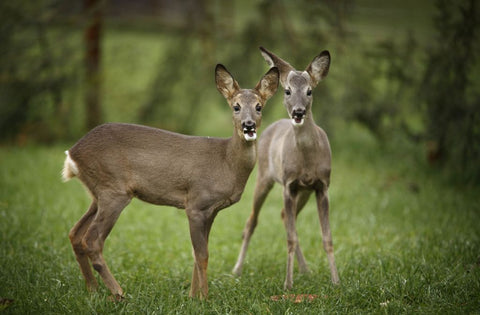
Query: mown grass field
[405,241]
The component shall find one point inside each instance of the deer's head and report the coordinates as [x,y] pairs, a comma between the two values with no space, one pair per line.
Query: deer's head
[246,104]
[298,85]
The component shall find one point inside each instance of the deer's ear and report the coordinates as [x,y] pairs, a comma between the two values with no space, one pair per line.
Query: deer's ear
[275,61]
[318,68]
[226,84]
[268,84]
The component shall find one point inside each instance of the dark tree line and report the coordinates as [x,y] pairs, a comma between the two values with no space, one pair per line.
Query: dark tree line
[396,88]
[94,10]
[450,88]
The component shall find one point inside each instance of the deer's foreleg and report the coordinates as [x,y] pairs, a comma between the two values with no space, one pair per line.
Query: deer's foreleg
[292,238]
[199,231]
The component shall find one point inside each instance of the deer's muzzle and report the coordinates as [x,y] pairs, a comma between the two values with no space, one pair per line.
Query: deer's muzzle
[298,116]
[249,130]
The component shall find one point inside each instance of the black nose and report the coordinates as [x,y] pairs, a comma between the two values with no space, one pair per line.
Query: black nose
[299,113]
[249,124]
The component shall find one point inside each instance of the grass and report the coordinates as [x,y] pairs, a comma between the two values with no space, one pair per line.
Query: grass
[406,242]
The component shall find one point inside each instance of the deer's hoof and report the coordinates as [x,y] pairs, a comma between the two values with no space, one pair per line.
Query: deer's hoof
[287,286]
[116,298]
[237,271]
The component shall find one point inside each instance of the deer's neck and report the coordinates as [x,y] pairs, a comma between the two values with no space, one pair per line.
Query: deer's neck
[306,134]
[241,156]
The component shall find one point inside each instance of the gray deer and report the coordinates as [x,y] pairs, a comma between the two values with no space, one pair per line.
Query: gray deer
[117,162]
[296,153]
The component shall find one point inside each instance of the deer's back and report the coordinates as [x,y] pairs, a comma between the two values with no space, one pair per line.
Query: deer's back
[154,165]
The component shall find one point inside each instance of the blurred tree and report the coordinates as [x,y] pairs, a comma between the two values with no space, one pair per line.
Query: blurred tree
[450,89]
[33,72]
[36,41]
[182,84]
[382,89]
[211,33]
[93,37]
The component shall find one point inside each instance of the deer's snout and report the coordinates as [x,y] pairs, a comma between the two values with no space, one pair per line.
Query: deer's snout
[249,130]
[298,116]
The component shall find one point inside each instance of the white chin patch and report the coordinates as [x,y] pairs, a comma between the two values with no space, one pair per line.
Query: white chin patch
[297,121]
[250,136]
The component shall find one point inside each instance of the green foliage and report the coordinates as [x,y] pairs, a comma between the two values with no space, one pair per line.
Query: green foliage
[37,63]
[42,89]
[184,76]
[196,88]
[405,241]
[382,89]
[450,88]
[403,90]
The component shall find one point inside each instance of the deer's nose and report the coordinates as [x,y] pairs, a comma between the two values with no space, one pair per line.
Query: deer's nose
[298,112]
[249,124]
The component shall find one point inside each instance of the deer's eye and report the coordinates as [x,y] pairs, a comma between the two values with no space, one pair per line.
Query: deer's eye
[236,108]
[287,92]
[258,108]
[309,92]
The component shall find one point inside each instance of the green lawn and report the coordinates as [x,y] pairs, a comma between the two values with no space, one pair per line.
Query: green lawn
[405,241]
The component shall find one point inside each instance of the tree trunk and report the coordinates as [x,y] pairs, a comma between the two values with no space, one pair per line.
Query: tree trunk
[92,37]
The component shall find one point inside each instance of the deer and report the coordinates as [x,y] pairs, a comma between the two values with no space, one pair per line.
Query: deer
[117,162]
[295,153]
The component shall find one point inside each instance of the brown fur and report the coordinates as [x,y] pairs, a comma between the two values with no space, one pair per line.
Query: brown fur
[117,162]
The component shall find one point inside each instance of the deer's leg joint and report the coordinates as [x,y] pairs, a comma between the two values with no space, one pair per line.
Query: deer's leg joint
[98,267]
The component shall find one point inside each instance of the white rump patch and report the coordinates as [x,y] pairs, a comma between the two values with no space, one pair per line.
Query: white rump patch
[70,168]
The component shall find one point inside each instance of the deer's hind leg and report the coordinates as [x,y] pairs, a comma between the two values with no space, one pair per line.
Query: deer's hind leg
[76,236]
[263,186]
[109,208]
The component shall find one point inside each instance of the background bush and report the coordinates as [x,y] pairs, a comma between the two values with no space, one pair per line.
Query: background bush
[407,71]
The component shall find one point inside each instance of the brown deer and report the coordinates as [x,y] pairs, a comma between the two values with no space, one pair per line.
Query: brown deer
[296,153]
[202,175]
